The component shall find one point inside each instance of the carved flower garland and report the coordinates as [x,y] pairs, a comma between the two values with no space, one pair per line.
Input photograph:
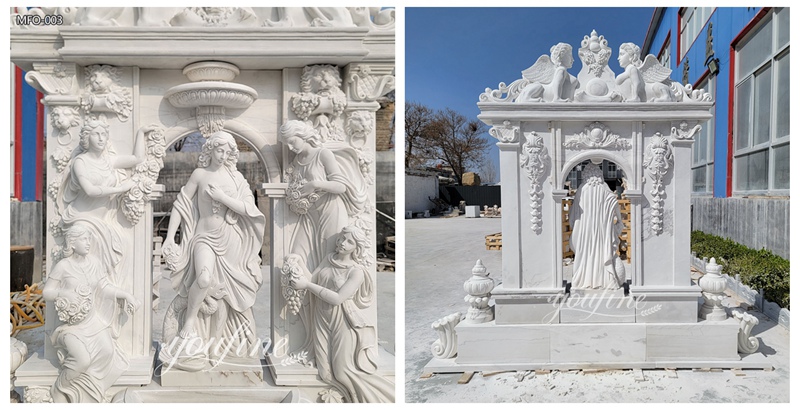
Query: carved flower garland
[145,176]
[299,203]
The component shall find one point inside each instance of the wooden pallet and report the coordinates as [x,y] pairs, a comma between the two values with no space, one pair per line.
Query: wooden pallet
[494,242]
[390,247]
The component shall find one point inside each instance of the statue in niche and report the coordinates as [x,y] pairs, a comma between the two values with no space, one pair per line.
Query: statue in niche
[89,191]
[87,302]
[322,98]
[548,77]
[344,343]
[104,94]
[643,81]
[325,188]
[63,118]
[216,269]
[215,17]
[596,225]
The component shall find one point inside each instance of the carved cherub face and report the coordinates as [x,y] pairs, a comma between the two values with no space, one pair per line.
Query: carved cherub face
[624,57]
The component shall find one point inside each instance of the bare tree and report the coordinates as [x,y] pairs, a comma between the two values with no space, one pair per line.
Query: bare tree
[457,141]
[488,172]
[418,122]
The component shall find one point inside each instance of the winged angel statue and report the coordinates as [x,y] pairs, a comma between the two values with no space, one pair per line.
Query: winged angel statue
[643,81]
[548,79]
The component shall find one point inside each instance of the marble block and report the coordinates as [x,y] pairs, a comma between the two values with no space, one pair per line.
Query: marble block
[489,343]
[707,339]
[473,211]
[589,306]
[594,343]
[233,373]
[527,306]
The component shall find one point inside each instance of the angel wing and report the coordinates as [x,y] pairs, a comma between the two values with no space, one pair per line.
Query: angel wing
[652,71]
[542,71]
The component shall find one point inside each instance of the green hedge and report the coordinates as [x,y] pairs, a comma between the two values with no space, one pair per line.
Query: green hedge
[757,269]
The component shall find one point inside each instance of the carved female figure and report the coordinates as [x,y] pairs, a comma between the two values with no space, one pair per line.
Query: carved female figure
[325,187]
[596,225]
[87,302]
[549,78]
[216,269]
[89,190]
[345,345]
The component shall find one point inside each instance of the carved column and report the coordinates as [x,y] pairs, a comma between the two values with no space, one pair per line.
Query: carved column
[509,145]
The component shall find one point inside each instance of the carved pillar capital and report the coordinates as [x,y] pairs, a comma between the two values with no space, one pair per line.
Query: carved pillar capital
[508,132]
[368,82]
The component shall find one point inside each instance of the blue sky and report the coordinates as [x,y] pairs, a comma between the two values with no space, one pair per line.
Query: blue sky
[453,54]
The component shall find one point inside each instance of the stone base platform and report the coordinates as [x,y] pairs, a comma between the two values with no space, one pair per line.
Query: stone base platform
[233,373]
[299,375]
[38,371]
[208,395]
[493,347]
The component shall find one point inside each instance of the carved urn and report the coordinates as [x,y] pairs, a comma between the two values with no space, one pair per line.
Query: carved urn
[479,288]
[713,286]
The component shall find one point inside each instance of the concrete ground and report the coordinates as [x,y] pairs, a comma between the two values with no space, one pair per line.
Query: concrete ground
[440,254]
[34,338]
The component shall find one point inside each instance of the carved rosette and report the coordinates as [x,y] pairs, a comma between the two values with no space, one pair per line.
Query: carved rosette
[506,133]
[479,288]
[535,160]
[747,344]
[713,286]
[145,176]
[446,347]
[684,132]
[596,135]
[103,92]
[658,160]
[368,83]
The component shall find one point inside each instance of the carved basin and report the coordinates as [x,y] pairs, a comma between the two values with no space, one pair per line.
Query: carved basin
[211,93]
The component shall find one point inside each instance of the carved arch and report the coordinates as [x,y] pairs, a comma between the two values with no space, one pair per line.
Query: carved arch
[257,140]
[622,162]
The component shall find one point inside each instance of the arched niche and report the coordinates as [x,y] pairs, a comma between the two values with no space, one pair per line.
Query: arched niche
[623,163]
[257,140]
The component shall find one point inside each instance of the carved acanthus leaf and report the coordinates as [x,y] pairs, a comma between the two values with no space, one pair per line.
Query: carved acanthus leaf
[504,93]
[535,160]
[446,347]
[747,344]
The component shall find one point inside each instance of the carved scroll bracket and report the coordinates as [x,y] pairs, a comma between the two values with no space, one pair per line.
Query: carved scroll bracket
[54,79]
[506,133]
[368,82]
[684,130]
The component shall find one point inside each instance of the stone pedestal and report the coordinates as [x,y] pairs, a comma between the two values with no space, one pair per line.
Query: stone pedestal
[232,373]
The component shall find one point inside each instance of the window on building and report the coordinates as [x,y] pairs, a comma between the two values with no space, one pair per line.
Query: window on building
[692,20]
[703,148]
[663,55]
[761,122]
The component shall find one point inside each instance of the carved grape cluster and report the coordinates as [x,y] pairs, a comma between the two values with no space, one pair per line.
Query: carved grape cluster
[60,160]
[304,104]
[294,297]
[52,189]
